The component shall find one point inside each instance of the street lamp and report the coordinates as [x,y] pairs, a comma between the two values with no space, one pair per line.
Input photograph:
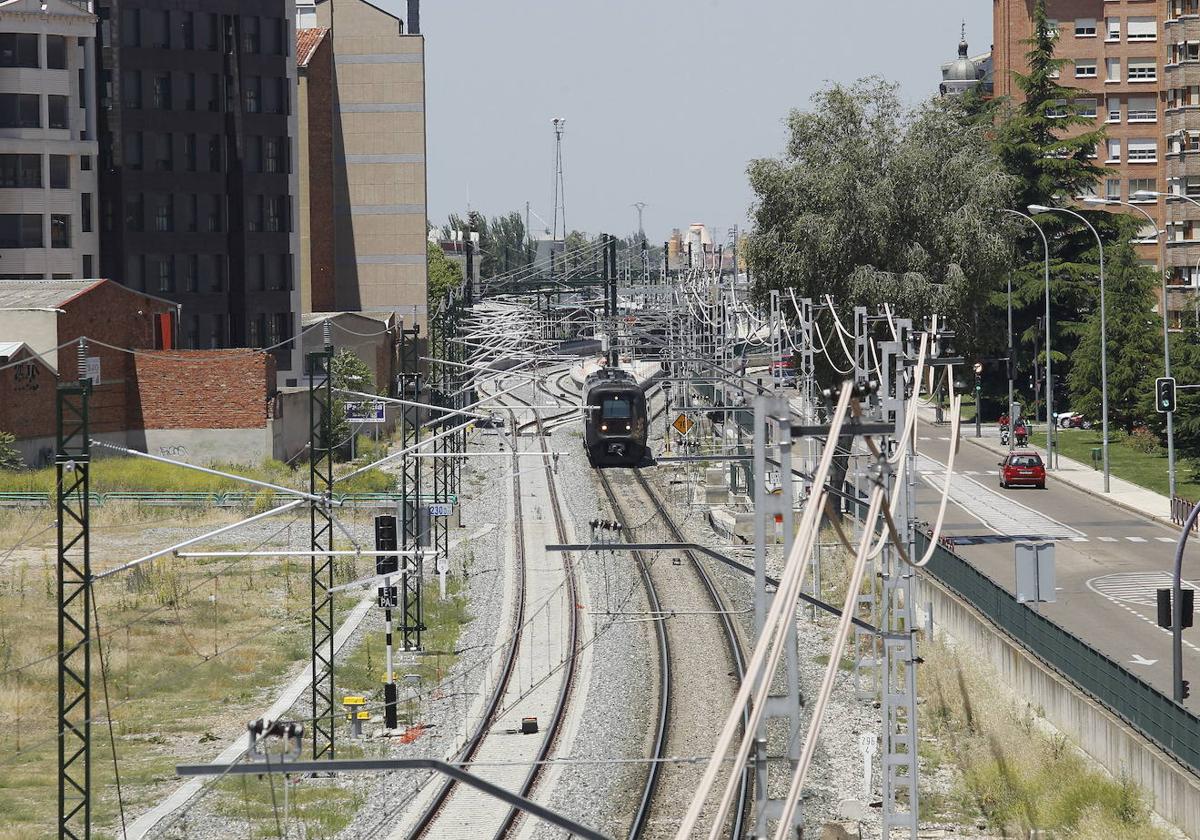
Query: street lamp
[978,400]
[1050,425]
[1166,342]
[1041,208]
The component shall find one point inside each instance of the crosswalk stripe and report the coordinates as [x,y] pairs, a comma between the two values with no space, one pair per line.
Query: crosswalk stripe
[1136,539]
[1166,539]
[1079,539]
[1108,539]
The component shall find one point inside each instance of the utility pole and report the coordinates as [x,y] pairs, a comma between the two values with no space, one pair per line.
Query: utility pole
[385,539]
[410,490]
[560,201]
[641,205]
[320,483]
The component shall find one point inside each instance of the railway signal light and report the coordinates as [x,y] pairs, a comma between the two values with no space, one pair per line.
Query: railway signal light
[1164,394]
[1187,689]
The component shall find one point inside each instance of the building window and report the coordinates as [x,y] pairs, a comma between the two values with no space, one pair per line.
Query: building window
[60,172]
[1112,189]
[131,88]
[162,91]
[1113,29]
[1085,27]
[1141,29]
[165,273]
[164,212]
[1112,67]
[208,31]
[275,96]
[254,154]
[1085,69]
[60,230]
[133,150]
[191,274]
[276,221]
[20,110]
[253,332]
[1143,109]
[85,163]
[254,218]
[56,111]
[88,265]
[193,213]
[189,152]
[18,49]
[187,29]
[1137,185]
[131,27]
[251,42]
[214,153]
[21,230]
[135,212]
[253,94]
[189,103]
[1143,70]
[218,275]
[272,159]
[1114,109]
[256,275]
[85,213]
[1143,151]
[157,29]
[164,152]
[1114,151]
[1085,107]
[213,97]
[22,171]
[275,325]
[56,52]
[214,214]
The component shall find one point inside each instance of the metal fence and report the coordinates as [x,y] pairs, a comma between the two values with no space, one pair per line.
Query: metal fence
[1180,509]
[232,499]
[1154,714]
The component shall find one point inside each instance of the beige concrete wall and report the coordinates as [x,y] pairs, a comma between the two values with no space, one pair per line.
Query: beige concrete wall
[36,327]
[379,152]
[1174,791]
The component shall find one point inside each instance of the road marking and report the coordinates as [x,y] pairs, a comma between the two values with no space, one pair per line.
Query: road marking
[970,472]
[922,437]
[1142,582]
[1136,539]
[1079,539]
[1166,539]
[1138,659]
[1108,539]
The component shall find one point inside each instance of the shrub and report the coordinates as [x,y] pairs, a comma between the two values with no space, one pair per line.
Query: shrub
[1143,440]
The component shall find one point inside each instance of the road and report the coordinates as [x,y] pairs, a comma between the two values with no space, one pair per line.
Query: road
[1109,561]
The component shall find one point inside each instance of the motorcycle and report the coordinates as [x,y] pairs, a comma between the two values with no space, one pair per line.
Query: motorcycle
[1004,436]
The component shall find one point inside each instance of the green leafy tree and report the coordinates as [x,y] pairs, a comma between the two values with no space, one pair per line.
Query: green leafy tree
[350,372]
[10,458]
[1134,345]
[1185,367]
[509,248]
[444,275]
[873,203]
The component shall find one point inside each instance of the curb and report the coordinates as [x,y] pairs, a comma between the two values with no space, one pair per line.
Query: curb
[1117,502]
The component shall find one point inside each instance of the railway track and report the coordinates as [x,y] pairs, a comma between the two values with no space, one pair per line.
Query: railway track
[458,811]
[614,487]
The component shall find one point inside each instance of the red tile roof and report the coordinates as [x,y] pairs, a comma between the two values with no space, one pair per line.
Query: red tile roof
[307,41]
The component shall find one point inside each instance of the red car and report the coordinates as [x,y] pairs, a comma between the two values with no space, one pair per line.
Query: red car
[1023,467]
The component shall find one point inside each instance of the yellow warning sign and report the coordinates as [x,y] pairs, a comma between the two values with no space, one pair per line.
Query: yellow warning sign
[682,424]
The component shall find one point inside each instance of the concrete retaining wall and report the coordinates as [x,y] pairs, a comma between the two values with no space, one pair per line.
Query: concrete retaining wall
[1174,790]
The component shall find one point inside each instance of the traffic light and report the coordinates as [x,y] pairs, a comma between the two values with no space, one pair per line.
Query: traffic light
[1187,599]
[1164,394]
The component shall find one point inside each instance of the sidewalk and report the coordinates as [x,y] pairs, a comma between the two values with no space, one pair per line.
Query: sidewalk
[1084,477]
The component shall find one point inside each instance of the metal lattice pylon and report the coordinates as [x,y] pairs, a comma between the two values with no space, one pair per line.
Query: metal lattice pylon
[320,483]
[410,490]
[72,466]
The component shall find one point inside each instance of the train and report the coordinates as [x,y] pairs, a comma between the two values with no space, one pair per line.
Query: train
[616,421]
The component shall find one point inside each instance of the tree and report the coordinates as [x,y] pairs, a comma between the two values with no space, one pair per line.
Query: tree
[873,203]
[1185,367]
[10,458]
[509,248]
[1049,148]
[1134,345]
[349,372]
[444,275]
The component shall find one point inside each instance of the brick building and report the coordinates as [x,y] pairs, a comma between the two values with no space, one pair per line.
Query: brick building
[314,59]
[1137,61]
[201,405]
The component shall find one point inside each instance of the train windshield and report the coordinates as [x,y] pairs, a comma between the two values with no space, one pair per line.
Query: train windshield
[615,408]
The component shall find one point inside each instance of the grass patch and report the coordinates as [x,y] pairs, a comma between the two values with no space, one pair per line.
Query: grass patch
[191,650]
[141,475]
[1126,460]
[1010,770]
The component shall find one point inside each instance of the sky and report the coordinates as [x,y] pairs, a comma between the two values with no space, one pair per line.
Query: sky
[665,100]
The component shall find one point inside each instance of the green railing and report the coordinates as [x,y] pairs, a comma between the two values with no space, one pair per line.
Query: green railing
[1149,711]
[230,499]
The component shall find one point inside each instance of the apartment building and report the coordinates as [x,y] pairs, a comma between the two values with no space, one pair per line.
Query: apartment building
[1136,60]
[48,227]
[197,165]
[376,157]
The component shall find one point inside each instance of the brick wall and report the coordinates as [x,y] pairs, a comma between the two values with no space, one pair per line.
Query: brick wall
[202,389]
[123,318]
[27,397]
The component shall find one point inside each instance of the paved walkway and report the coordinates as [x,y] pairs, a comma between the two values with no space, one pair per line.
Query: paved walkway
[1124,493]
